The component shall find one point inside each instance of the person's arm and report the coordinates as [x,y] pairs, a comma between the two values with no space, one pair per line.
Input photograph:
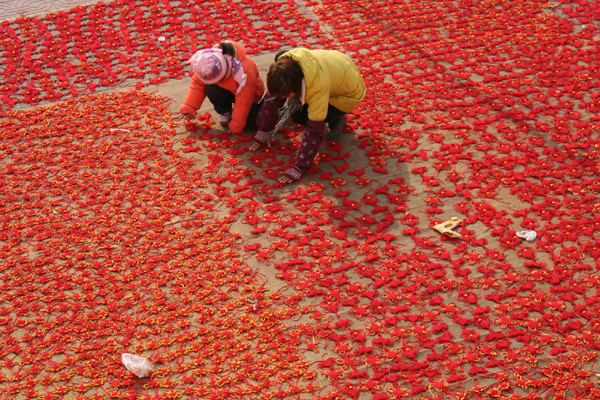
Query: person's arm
[267,118]
[313,137]
[309,148]
[194,97]
[243,104]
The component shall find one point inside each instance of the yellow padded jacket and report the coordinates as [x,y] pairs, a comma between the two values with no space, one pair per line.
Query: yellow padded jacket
[331,78]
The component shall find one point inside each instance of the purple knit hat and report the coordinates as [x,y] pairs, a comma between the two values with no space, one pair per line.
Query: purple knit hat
[210,65]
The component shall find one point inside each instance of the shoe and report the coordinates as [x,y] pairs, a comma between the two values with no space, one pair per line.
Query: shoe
[335,128]
[224,119]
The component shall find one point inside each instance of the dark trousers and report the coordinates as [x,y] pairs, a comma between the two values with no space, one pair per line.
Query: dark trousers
[222,100]
[301,116]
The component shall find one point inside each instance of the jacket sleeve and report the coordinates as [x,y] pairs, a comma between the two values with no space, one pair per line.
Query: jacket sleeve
[243,104]
[313,137]
[318,104]
[267,116]
[194,97]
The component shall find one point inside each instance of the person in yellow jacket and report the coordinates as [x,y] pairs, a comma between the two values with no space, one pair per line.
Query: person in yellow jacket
[231,81]
[325,85]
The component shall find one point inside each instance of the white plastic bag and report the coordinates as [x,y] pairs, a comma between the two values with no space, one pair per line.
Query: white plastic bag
[140,366]
[527,235]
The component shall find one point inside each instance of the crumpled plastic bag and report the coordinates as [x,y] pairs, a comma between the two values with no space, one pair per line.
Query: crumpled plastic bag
[140,366]
[447,226]
[527,235]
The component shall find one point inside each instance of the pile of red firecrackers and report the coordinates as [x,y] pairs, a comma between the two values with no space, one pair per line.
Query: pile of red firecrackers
[118,234]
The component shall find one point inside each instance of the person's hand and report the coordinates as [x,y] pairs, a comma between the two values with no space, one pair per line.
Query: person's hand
[285,179]
[187,111]
[260,139]
[290,175]
[256,145]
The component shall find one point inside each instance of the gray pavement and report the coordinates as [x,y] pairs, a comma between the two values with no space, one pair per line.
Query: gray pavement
[11,9]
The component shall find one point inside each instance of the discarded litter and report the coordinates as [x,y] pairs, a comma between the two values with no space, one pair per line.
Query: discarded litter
[254,303]
[447,226]
[140,366]
[527,235]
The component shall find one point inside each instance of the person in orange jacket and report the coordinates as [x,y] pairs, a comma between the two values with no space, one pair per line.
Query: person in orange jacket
[231,82]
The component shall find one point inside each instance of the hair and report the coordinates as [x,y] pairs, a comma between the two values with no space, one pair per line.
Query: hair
[284,77]
[227,47]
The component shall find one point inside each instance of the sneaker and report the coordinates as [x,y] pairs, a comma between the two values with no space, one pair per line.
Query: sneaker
[335,128]
[224,119]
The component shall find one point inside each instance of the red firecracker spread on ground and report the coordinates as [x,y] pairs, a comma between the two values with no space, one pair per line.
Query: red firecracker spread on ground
[119,233]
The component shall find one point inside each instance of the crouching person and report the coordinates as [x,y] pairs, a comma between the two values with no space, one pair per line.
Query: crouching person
[324,85]
[230,80]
